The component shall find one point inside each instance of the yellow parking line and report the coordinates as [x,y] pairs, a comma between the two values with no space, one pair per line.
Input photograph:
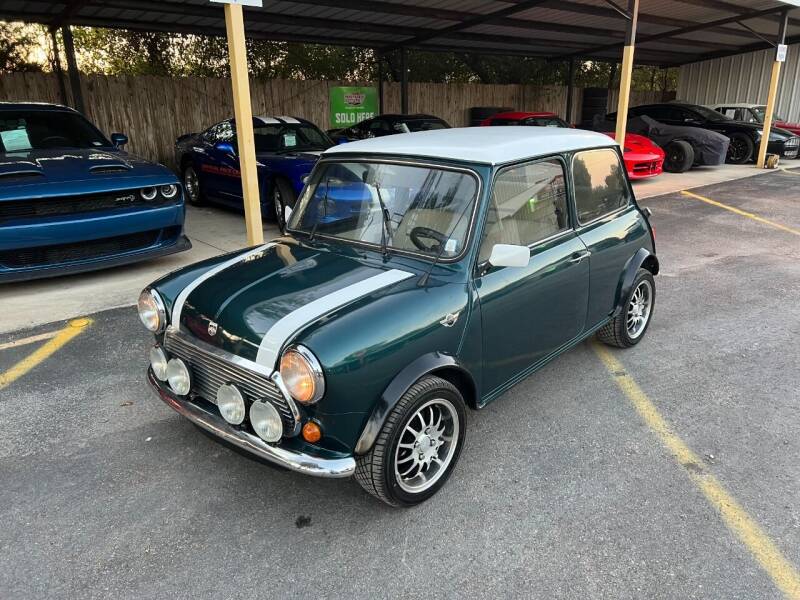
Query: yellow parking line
[741,212]
[782,572]
[62,337]
[28,340]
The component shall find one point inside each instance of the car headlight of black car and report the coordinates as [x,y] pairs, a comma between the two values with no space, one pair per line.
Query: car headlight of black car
[152,312]
[302,375]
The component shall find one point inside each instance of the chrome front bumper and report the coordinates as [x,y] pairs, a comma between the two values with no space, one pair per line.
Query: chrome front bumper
[216,425]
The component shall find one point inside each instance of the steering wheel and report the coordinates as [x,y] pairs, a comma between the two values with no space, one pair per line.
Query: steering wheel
[53,138]
[419,233]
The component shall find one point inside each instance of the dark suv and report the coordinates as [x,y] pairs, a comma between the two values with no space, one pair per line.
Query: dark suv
[387,125]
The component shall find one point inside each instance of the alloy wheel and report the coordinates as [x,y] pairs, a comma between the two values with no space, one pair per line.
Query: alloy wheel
[426,446]
[639,309]
[192,185]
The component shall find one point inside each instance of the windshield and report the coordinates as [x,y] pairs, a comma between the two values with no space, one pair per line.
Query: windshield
[412,125]
[531,122]
[710,114]
[290,138]
[43,130]
[761,111]
[428,209]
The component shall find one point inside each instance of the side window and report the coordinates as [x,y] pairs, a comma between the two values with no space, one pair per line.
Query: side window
[728,112]
[379,127]
[600,184]
[529,204]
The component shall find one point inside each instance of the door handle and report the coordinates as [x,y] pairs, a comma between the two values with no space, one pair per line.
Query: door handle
[578,257]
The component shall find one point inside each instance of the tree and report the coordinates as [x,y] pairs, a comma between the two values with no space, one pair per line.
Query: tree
[17,43]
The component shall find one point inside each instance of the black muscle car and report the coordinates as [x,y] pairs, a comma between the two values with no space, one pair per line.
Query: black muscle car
[744,137]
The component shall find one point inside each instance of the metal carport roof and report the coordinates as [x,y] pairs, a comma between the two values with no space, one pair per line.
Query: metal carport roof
[670,32]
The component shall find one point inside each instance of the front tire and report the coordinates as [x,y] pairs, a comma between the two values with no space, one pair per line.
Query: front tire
[191,184]
[418,446]
[283,197]
[679,157]
[629,326]
[741,149]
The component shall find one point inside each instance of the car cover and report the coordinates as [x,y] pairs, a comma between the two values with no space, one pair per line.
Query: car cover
[710,147]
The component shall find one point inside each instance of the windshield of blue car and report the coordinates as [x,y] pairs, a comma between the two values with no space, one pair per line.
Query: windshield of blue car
[290,138]
[44,130]
[428,210]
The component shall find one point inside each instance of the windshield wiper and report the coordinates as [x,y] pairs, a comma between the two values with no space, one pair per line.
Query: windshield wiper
[386,230]
[319,215]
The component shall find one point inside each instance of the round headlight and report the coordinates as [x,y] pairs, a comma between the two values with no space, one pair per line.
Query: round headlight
[151,310]
[230,403]
[178,376]
[169,191]
[158,362]
[148,193]
[266,421]
[302,375]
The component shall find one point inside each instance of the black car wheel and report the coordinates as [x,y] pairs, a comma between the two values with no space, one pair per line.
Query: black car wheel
[629,326]
[191,183]
[283,197]
[679,157]
[418,446]
[741,149]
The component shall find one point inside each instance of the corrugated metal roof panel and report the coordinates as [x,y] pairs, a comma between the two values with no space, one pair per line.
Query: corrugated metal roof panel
[585,28]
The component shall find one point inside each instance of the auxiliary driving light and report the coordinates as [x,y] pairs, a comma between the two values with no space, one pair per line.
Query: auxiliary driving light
[158,362]
[230,403]
[178,376]
[266,421]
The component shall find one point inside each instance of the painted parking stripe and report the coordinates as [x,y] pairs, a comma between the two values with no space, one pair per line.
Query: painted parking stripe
[741,524]
[73,329]
[177,308]
[284,328]
[741,212]
[28,340]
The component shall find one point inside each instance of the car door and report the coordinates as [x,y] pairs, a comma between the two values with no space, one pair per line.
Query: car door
[220,167]
[608,224]
[529,312]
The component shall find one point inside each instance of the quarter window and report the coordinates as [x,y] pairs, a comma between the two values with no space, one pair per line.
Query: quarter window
[600,185]
[529,204]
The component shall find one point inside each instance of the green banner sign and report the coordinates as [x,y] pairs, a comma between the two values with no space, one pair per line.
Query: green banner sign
[351,105]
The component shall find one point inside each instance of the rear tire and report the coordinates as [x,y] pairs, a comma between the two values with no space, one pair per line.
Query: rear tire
[418,446]
[629,326]
[679,157]
[282,196]
[741,149]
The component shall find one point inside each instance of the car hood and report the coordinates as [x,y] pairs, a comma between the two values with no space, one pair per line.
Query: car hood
[43,173]
[755,128]
[257,302]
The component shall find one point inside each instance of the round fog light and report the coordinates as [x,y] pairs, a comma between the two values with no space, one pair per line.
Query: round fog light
[230,403]
[158,362]
[266,421]
[178,376]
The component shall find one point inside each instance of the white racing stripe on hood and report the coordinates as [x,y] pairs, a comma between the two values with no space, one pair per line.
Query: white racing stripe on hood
[291,120]
[286,327]
[181,299]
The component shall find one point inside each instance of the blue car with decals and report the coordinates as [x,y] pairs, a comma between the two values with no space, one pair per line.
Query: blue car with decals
[287,148]
[72,200]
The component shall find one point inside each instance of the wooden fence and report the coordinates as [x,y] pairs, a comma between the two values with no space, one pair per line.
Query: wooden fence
[153,111]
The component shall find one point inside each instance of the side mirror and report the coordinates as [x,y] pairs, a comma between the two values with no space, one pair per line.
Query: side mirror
[509,255]
[225,147]
[119,139]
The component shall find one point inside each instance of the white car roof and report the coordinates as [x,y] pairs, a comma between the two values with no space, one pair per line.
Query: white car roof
[488,145]
[733,105]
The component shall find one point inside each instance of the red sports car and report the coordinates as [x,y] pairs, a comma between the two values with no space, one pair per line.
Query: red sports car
[643,157]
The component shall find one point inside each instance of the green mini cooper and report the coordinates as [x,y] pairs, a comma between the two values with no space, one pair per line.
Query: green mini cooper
[420,274]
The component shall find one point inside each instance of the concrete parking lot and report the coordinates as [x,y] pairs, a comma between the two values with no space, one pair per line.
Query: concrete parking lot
[666,471]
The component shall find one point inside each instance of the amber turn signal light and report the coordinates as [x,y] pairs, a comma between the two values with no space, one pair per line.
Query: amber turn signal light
[312,432]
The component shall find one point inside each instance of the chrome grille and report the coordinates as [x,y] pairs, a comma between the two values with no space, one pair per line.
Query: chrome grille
[210,371]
